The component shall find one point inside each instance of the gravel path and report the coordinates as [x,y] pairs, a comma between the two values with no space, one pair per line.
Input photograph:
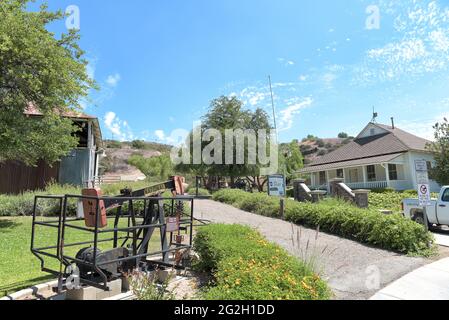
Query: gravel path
[352,270]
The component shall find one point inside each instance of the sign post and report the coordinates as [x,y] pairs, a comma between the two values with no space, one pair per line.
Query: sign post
[422,178]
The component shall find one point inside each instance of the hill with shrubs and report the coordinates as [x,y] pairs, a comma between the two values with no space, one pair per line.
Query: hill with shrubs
[313,147]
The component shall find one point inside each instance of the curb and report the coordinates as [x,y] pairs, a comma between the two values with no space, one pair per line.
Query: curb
[30,291]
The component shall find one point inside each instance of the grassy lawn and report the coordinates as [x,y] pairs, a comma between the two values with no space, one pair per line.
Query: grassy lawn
[19,268]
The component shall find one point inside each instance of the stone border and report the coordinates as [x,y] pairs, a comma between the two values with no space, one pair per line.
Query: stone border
[30,291]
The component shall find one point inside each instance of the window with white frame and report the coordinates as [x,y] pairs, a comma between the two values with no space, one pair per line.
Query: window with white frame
[340,173]
[371,172]
[393,172]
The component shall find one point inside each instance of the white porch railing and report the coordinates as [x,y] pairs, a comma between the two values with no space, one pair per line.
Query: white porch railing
[368,185]
[396,184]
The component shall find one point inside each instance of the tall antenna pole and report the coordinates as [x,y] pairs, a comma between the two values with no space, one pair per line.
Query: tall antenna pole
[274,109]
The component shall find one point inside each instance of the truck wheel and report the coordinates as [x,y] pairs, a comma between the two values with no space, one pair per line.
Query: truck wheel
[419,218]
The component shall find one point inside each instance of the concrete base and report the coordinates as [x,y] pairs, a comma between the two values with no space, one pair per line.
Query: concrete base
[91,293]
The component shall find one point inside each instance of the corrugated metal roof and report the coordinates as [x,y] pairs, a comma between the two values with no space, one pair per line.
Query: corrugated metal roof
[351,163]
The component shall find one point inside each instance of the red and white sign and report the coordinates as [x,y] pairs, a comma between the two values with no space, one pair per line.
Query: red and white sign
[424,195]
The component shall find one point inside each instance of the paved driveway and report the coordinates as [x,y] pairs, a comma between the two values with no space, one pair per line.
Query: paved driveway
[353,270]
[441,236]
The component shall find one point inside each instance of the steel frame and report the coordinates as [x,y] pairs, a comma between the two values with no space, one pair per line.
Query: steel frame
[138,234]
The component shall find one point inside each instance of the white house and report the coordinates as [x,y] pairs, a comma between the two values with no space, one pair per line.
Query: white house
[379,157]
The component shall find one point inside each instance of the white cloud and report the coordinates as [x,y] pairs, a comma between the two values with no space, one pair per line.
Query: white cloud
[160,134]
[113,80]
[286,62]
[399,52]
[440,40]
[120,129]
[253,96]
[423,129]
[289,113]
[423,30]
[303,77]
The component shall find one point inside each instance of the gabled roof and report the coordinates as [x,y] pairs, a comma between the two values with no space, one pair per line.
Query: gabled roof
[411,141]
[391,141]
[32,111]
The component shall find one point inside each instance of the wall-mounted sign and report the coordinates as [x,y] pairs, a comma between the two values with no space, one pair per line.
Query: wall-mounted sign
[422,177]
[276,185]
[421,165]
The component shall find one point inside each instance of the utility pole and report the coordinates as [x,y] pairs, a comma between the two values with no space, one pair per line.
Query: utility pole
[275,126]
[274,108]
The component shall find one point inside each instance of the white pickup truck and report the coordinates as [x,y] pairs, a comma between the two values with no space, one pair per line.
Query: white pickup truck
[437,213]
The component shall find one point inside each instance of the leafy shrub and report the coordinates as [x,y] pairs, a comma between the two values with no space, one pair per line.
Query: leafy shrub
[148,287]
[390,199]
[159,168]
[22,204]
[245,266]
[391,232]
[112,144]
[201,191]
[138,144]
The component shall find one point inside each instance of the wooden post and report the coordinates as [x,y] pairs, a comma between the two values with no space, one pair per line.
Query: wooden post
[282,208]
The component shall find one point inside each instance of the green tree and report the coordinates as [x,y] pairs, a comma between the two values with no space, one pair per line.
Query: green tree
[228,113]
[159,168]
[291,159]
[440,148]
[40,69]
[343,135]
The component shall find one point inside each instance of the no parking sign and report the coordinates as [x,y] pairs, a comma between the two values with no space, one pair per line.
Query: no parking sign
[424,195]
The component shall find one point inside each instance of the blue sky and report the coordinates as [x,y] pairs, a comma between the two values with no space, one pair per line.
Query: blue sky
[159,63]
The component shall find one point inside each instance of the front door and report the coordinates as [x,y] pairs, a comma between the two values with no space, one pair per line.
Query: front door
[443,208]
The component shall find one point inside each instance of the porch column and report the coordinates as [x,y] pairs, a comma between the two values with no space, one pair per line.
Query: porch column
[365,178]
[312,179]
[387,174]
[328,181]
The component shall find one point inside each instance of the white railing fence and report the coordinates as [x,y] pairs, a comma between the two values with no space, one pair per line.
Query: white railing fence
[102,180]
[397,185]
[368,185]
